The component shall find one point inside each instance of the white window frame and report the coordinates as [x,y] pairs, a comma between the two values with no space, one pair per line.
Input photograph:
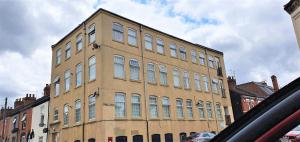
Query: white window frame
[55,115]
[211,61]
[209,110]
[92,68]
[219,111]
[119,113]
[193,56]
[197,81]
[186,80]
[119,62]
[201,109]
[151,73]
[134,69]
[117,32]
[136,106]
[214,86]
[66,114]
[173,50]
[163,74]
[202,58]
[206,83]
[148,42]
[56,83]
[176,77]
[78,75]
[182,51]
[92,33]
[179,108]
[160,46]
[166,107]
[153,106]
[68,51]
[77,111]
[132,37]
[79,43]
[58,56]
[92,107]
[67,80]
[189,108]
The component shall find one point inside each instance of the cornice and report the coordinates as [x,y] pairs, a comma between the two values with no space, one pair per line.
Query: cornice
[291,6]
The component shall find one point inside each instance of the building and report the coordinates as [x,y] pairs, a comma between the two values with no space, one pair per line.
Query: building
[293,8]
[247,95]
[114,79]
[23,122]
[39,125]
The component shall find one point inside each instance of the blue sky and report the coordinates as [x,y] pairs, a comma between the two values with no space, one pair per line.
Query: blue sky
[257,37]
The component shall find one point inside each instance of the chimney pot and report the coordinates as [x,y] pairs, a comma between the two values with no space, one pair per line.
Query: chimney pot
[275,83]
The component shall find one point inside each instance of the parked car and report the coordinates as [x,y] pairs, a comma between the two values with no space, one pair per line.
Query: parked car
[200,137]
[268,121]
[294,135]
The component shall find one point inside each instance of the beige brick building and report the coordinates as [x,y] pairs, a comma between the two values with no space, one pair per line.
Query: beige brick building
[293,8]
[114,79]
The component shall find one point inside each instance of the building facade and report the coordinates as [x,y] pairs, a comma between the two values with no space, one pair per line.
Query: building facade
[114,79]
[293,8]
[247,95]
[39,123]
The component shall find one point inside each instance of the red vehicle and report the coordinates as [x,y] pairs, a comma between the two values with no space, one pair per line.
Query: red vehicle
[294,135]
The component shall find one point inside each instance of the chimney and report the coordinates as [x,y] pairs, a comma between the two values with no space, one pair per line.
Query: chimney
[18,102]
[47,90]
[231,82]
[275,83]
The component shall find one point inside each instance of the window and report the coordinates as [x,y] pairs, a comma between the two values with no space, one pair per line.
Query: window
[210,61]
[182,53]
[92,68]
[67,80]
[194,56]
[160,46]
[186,81]
[137,138]
[151,73]
[66,114]
[56,86]
[182,137]
[42,116]
[189,107]
[92,106]
[169,137]
[134,69]
[202,58]
[132,37]
[173,50]
[120,105]
[79,42]
[209,110]
[214,85]
[153,107]
[68,50]
[92,33]
[55,115]
[58,56]
[197,81]
[221,86]
[166,107]
[119,71]
[205,80]
[163,75]
[23,137]
[155,137]
[136,106]
[176,78]
[218,111]
[78,75]
[15,124]
[24,120]
[91,140]
[121,139]
[77,111]
[217,63]
[117,32]
[201,109]
[148,42]
[41,139]
[179,108]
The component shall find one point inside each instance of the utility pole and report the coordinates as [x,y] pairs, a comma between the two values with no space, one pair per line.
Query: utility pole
[4,117]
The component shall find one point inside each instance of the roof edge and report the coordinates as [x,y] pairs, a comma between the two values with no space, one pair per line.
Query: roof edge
[291,6]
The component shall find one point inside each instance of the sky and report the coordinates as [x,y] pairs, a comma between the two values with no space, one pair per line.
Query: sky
[256,37]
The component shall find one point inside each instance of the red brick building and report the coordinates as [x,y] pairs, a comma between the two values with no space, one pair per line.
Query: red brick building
[247,95]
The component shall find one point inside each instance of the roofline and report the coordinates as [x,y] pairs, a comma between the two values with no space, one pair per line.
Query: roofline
[288,7]
[119,16]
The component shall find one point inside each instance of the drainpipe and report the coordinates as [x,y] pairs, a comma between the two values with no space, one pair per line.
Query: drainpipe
[144,81]
[84,81]
[213,100]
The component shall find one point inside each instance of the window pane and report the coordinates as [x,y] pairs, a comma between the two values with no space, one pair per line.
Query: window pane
[132,37]
[68,50]
[153,107]
[173,50]
[79,42]
[120,105]
[92,68]
[151,73]
[117,32]
[134,69]
[166,107]
[92,106]
[186,80]
[179,108]
[189,108]
[176,79]
[119,67]
[148,42]
[58,56]
[92,33]
[136,108]
[201,109]
[160,46]
[67,80]
[78,75]
[163,75]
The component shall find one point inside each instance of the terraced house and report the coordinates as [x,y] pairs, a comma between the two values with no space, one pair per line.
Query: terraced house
[114,79]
